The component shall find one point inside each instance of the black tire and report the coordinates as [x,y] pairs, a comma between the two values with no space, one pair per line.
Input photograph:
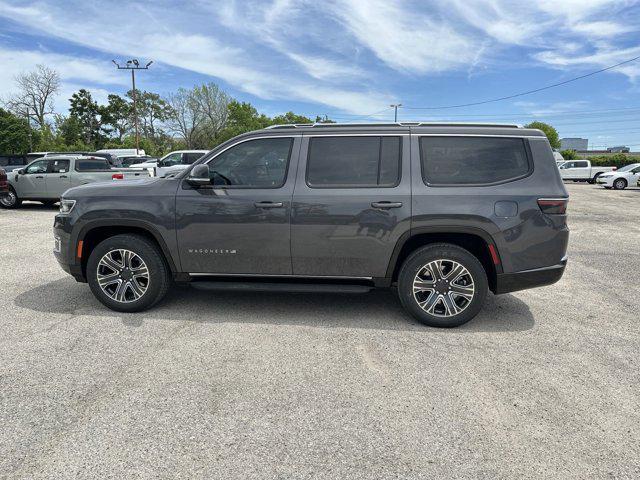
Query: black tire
[159,278]
[619,184]
[449,253]
[10,200]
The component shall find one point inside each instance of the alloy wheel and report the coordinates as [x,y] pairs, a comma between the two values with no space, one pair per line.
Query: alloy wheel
[122,275]
[443,288]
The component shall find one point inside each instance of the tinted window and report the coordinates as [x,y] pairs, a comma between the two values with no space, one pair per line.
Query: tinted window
[189,158]
[59,166]
[92,164]
[472,160]
[353,161]
[260,163]
[581,164]
[10,160]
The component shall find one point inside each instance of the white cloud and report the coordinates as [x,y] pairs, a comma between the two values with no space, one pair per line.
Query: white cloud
[75,73]
[402,37]
[337,53]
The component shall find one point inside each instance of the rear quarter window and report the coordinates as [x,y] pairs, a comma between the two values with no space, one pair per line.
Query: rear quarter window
[473,160]
[92,165]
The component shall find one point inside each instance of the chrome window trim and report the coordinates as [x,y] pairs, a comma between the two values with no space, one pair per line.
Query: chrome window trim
[206,162]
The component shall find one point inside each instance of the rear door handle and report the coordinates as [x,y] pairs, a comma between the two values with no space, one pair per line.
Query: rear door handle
[63,176]
[384,205]
[269,204]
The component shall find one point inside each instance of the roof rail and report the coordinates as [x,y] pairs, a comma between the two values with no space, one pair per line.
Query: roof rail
[392,124]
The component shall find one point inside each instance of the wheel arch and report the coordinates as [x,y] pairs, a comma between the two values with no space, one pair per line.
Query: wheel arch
[477,241]
[95,232]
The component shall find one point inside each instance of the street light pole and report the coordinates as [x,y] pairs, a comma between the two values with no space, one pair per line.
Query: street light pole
[134,65]
[395,109]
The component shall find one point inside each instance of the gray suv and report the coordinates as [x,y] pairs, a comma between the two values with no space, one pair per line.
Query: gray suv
[441,212]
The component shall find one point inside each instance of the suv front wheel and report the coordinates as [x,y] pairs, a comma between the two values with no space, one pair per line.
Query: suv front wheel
[442,285]
[127,273]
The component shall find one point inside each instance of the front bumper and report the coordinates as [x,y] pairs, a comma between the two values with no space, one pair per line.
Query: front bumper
[64,250]
[539,277]
[607,182]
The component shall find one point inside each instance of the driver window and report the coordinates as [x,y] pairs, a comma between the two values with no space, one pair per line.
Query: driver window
[260,163]
[37,167]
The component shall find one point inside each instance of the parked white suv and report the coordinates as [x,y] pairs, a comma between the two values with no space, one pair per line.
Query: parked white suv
[621,178]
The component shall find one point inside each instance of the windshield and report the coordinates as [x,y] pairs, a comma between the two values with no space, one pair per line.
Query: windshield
[628,167]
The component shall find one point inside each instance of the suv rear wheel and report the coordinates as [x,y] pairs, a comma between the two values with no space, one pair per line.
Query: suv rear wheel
[127,273]
[442,285]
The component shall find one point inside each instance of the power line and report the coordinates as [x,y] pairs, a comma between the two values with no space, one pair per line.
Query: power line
[578,114]
[541,114]
[528,92]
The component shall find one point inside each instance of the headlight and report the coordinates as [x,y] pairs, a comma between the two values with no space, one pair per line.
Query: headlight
[67,205]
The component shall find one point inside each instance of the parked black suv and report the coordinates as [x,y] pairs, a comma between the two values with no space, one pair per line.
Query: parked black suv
[441,212]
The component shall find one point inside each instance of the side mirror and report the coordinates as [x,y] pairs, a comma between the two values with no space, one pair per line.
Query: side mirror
[21,171]
[199,176]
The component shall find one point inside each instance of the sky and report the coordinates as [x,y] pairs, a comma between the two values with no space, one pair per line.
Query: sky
[351,59]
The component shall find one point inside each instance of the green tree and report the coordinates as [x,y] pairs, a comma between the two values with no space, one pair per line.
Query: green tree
[14,133]
[88,114]
[242,118]
[290,118]
[152,110]
[549,131]
[117,115]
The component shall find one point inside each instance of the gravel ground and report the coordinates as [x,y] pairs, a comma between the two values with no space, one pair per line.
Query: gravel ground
[542,384]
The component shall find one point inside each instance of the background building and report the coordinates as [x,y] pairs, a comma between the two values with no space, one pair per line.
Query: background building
[574,143]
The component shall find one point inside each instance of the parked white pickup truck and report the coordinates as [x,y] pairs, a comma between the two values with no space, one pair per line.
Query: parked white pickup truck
[46,179]
[582,171]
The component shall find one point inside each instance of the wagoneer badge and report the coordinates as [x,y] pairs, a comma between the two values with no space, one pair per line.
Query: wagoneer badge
[215,251]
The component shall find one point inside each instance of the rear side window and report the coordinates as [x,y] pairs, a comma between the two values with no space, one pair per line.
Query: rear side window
[353,162]
[472,160]
[92,164]
[59,166]
[189,158]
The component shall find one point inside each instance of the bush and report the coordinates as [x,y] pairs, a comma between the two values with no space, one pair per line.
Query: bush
[615,160]
[569,154]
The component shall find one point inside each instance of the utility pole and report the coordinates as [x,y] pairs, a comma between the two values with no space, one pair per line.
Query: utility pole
[395,109]
[134,65]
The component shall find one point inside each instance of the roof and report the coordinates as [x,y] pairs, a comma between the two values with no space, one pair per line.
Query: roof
[392,124]
[444,128]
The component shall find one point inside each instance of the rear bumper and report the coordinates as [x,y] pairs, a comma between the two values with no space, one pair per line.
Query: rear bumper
[539,277]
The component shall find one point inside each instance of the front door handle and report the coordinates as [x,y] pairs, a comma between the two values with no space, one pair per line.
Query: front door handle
[39,176]
[63,176]
[384,205]
[269,204]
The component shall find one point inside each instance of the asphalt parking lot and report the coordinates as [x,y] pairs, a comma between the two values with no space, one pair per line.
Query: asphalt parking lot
[542,384]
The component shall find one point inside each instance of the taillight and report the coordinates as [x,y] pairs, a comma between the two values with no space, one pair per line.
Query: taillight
[553,206]
[117,176]
[614,169]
